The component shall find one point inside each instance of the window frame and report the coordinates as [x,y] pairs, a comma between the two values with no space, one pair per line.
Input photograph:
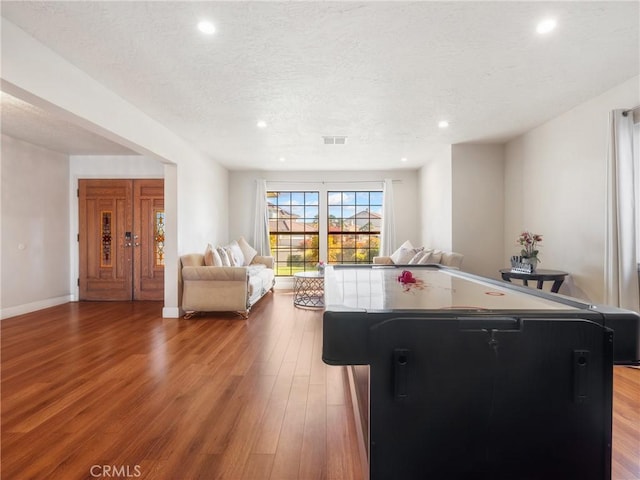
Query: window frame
[358,252]
[308,261]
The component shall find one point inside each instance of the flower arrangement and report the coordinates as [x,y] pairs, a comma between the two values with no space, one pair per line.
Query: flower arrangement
[529,242]
[320,266]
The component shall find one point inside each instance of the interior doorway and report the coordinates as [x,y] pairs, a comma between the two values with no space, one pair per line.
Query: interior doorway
[121,239]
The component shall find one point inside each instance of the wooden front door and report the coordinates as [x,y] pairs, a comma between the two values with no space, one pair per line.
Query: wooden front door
[148,239]
[121,239]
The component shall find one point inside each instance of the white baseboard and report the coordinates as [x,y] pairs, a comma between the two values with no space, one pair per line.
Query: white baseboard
[284,283]
[34,306]
[167,312]
[170,312]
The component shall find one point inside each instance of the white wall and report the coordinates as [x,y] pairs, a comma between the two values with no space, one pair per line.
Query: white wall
[478,207]
[436,197]
[35,226]
[555,186]
[405,190]
[203,205]
[114,166]
[198,186]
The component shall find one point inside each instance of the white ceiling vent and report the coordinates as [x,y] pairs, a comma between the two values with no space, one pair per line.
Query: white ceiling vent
[335,140]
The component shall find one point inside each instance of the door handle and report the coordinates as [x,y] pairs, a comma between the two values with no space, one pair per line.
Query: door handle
[401,365]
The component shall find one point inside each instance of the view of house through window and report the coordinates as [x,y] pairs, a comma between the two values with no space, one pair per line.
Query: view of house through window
[352,228]
[354,223]
[294,230]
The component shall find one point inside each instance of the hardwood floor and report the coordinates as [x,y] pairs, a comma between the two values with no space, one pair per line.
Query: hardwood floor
[92,384]
[112,389]
[626,424]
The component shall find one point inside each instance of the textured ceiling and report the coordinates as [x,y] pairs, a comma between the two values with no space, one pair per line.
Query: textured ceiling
[40,127]
[381,73]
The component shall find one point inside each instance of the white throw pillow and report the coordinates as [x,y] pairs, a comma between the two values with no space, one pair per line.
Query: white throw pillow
[436,256]
[247,250]
[229,252]
[405,246]
[416,258]
[226,262]
[426,258]
[212,257]
[217,261]
[405,253]
[236,254]
[208,256]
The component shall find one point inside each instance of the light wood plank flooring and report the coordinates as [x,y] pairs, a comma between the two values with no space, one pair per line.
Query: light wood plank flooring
[95,388]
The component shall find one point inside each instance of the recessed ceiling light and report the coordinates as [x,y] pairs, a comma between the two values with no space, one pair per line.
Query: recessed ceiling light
[206,27]
[261,124]
[443,124]
[282,159]
[403,159]
[546,25]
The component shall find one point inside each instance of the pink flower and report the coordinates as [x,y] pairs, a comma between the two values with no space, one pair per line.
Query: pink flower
[529,241]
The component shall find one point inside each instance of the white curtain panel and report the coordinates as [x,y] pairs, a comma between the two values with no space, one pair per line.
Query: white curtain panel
[388,232]
[261,221]
[621,273]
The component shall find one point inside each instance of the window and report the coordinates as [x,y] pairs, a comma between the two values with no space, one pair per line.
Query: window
[354,220]
[294,230]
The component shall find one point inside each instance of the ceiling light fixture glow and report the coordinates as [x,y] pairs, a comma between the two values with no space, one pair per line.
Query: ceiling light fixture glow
[261,124]
[403,159]
[282,159]
[546,26]
[443,124]
[206,27]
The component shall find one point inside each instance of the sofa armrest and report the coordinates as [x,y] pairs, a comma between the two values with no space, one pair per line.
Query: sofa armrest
[382,260]
[225,274]
[268,261]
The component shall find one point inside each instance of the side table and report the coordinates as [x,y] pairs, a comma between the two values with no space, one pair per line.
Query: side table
[539,275]
[308,289]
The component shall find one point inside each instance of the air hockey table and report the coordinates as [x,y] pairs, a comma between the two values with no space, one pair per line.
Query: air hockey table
[457,376]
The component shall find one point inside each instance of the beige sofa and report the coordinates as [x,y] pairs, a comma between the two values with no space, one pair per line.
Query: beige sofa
[408,255]
[224,288]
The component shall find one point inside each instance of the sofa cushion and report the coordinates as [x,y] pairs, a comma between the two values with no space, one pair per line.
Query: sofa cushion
[255,268]
[247,250]
[436,256]
[260,280]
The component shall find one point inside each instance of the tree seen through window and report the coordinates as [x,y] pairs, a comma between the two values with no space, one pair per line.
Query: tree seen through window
[294,230]
[354,223]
